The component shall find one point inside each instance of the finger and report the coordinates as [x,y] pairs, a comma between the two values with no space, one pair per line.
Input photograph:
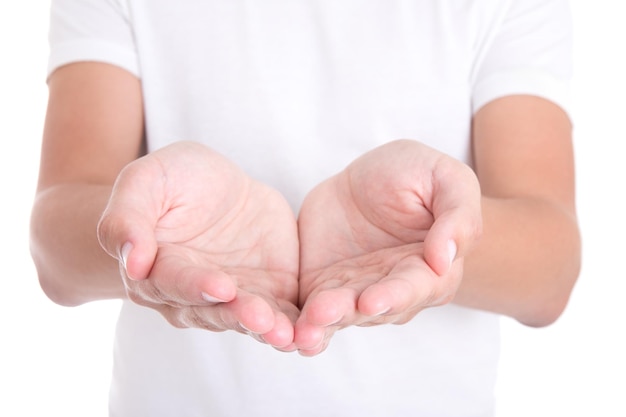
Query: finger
[322,315]
[330,307]
[318,349]
[246,314]
[457,216]
[282,334]
[174,281]
[126,228]
[312,339]
[250,312]
[410,286]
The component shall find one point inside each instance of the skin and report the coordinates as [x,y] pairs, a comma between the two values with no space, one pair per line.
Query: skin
[110,223]
[204,244]
[379,241]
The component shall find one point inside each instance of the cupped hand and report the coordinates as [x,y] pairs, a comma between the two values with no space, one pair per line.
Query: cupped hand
[383,240]
[204,244]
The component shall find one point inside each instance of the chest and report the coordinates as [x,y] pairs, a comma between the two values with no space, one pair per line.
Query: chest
[351,73]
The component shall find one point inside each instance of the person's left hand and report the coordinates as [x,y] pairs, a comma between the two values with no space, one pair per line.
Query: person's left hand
[383,240]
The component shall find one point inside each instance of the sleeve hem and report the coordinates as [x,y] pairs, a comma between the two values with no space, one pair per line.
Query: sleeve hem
[92,51]
[522,82]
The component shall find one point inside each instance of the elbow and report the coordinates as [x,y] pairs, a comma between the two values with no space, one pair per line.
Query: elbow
[69,275]
[52,287]
[545,312]
[548,305]
[56,294]
[46,266]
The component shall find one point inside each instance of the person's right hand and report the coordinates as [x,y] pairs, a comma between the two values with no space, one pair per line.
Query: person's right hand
[205,245]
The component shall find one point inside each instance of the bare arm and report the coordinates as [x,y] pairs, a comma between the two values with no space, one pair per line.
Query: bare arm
[93,128]
[377,238]
[528,258]
[181,230]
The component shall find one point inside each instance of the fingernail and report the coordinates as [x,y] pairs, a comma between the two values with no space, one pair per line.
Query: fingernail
[124,252]
[451,252]
[315,350]
[245,328]
[382,312]
[211,299]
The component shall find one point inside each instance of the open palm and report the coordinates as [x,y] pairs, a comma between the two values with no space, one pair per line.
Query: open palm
[383,240]
[205,245]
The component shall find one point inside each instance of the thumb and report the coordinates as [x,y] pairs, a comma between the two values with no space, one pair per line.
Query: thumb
[457,220]
[126,229]
[450,238]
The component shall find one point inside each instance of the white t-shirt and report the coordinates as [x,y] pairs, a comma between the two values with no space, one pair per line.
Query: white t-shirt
[293,91]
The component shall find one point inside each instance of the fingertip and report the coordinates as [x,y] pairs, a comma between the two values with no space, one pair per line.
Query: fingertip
[452,251]
[287,349]
[128,239]
[282,335]
[137,260]
[307,336]
[374,301]
[124,253]
[440,256]
[255,317]
[328,308]
[217,286]
[315,350]
[376,310]
[212,299]
[441,246]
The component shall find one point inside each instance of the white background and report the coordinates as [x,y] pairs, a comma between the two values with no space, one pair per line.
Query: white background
[55,361]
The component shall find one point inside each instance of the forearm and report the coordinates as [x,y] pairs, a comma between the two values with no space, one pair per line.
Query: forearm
[73,268]
[526,263]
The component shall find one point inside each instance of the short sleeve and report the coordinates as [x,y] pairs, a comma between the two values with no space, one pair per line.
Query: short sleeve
[91,30]
[529,51]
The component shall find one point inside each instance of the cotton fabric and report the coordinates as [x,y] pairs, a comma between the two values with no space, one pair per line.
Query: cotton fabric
[292,92]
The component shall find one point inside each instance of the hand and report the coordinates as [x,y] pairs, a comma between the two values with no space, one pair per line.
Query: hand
[383,240]
[205,245]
